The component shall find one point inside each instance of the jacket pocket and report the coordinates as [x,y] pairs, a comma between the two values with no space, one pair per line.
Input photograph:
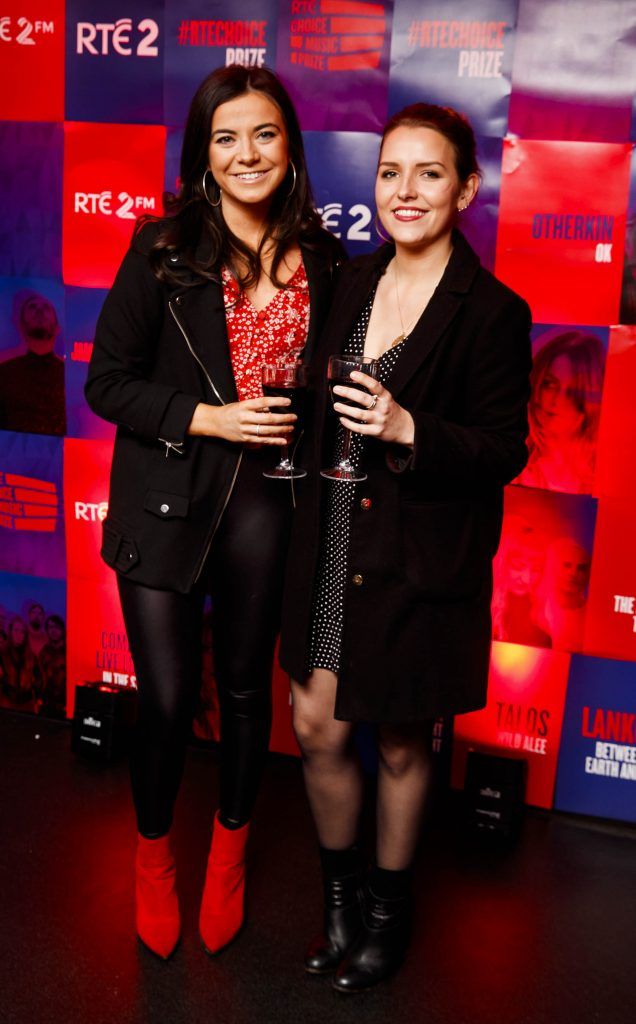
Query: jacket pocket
[166,505]
[445,556]
[118,547]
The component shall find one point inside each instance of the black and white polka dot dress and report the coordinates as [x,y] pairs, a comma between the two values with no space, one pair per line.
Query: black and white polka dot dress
[326,632]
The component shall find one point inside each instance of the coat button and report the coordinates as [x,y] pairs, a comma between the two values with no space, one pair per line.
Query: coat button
[179,300]
[365,503]
[357,579]
[164,508]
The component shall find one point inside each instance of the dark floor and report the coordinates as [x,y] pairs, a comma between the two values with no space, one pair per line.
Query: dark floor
[545,932]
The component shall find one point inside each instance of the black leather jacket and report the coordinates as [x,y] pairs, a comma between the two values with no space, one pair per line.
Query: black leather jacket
[158,352]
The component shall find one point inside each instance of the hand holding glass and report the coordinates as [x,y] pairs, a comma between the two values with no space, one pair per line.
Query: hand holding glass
[286,380]
[339,372]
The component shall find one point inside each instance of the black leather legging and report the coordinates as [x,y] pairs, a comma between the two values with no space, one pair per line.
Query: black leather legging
[243,574]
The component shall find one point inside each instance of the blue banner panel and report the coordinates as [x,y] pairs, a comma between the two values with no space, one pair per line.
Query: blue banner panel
[455,53]
[596,773]
[342,171]
[33,645]
[31,505]
[202,35]
[114,67]
[479,221]
[31,158]
[333,56]
[32,356]
[574,72]
[83,306]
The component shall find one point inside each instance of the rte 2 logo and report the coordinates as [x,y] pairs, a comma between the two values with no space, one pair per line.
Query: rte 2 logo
[356,232]
[27,30]
[97,38]
[102,202]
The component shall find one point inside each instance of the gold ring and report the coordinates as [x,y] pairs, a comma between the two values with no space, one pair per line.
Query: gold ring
[374,402]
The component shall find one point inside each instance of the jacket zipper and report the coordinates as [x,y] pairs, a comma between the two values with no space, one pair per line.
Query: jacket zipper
[239,460]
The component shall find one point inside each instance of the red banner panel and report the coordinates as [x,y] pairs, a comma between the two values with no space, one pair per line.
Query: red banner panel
[561,240]
[523,717]
[32,60]
[610,628]
[615,476]
[86,472]
[113,173]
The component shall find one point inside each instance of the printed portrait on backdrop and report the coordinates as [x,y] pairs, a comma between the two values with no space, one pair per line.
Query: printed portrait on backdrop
[564,409]
[542,569]
[33,646]
[32,393]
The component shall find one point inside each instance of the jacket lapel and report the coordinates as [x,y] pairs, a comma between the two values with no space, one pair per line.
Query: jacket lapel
[200,313]
[446,301]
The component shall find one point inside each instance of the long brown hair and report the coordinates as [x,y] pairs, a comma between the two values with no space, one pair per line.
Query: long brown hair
[192,220]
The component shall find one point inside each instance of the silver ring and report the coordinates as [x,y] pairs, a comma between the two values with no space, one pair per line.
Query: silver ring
[374,402]
[258,429]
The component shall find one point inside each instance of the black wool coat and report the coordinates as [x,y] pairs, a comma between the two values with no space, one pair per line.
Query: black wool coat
[158,352]
[425,524]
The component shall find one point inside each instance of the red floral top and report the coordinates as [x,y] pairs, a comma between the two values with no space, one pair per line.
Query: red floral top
[258,337]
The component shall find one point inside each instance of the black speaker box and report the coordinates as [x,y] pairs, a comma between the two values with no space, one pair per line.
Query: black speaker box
[494,791]
[102,719]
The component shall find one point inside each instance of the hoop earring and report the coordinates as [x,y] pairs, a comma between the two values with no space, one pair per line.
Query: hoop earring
[291,191]
[378,230]
[205,191]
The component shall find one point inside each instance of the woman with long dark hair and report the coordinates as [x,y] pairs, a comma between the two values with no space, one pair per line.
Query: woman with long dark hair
[237,275]
[386,616]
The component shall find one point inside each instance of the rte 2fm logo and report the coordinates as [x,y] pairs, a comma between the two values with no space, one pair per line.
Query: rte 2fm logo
[102,202]
[28,32]
[356,230]
[101,38]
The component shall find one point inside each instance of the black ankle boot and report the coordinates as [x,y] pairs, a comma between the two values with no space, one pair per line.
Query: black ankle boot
[342,919]
[380,946]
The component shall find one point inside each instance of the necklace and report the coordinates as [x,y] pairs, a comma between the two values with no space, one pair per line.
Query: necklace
[404,335]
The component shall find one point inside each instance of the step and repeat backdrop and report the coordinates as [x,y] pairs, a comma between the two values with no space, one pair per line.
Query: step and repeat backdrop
[93,95]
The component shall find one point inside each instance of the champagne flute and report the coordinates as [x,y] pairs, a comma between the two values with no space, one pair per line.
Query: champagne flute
[286,380]
[339,372]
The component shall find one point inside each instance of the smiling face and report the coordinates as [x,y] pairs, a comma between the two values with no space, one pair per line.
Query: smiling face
[249,151]
[417,189]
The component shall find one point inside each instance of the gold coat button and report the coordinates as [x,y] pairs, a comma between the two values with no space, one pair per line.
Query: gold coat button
[365,503]
[357,579]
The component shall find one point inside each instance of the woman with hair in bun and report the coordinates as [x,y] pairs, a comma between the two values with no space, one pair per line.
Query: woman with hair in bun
[386,614]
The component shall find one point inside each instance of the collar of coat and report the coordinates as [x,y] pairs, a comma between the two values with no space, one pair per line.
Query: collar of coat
[197,306]
[360,276]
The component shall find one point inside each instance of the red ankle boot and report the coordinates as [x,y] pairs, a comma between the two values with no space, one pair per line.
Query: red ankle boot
[221,914]
[156,907]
